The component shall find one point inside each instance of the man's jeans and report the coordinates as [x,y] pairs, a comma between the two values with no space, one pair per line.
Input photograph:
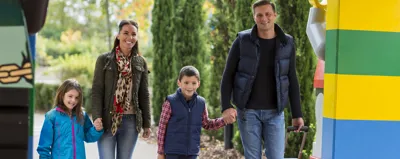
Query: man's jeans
[123,142]
[256,126]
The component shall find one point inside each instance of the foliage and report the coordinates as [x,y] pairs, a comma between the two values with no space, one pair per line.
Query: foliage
[293,19]
[244,15]
[163,70]
[45,94]
[189,45]
[80,67]
[222,35]
[138,10]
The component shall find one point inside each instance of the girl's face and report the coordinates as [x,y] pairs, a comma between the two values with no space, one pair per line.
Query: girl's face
[71,99]
[127,37]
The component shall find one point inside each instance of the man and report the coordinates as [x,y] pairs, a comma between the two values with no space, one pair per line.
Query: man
[260,77]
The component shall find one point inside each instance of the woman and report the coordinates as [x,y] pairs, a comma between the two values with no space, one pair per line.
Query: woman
[120,94]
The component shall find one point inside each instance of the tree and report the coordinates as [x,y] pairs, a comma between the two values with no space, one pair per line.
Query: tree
[189,43]
[84,16]
[222,35]
[137,10]
[293,15]
[243,15]
[163,70]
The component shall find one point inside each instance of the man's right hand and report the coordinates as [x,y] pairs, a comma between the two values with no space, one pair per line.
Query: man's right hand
[229,115]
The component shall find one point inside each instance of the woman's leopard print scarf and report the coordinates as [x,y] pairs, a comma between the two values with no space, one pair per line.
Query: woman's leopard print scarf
[121,98]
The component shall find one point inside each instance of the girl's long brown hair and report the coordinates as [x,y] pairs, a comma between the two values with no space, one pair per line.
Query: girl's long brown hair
[66,86]
[135,49]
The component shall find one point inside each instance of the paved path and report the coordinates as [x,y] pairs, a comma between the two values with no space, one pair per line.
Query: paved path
[143,150]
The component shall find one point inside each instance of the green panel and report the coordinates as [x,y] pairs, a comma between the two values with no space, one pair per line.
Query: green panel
[14,51]
[331,51]
[365,53]
[10,13]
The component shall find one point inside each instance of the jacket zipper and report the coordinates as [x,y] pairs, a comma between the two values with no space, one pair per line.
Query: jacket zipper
[278,84]
[189,126]
[73,136]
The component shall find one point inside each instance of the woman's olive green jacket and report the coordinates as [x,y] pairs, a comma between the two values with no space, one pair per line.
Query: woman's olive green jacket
[104,85]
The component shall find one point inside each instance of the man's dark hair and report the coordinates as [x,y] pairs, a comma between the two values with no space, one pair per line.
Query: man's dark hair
[261,3]
[189,71]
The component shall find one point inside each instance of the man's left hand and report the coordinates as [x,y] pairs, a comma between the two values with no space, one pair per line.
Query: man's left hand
[298,122]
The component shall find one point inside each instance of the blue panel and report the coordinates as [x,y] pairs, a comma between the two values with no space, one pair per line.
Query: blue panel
[32,44]
[362,139]
[327,138]
[30,147]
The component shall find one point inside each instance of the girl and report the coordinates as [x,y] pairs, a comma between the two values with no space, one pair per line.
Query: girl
[66,126]
[120,94]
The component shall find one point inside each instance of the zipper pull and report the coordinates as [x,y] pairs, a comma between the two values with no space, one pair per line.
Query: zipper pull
[189,110]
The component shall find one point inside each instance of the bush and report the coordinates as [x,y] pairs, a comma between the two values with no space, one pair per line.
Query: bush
[45,94]
[80,67]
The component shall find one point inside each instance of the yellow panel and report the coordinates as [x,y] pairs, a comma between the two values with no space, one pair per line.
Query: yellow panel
[329,95]
[366,98]
[368,15]
[332,18]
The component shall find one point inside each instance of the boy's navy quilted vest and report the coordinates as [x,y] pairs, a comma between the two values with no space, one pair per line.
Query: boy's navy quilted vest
[184,127]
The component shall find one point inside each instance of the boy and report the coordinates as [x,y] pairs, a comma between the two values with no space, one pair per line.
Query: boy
[185,113]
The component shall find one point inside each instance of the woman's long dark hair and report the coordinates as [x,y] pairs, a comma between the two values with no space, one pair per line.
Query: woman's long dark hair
[135,49]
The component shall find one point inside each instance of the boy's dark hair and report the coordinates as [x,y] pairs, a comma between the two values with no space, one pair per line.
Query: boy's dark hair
[189,71]
[261,3]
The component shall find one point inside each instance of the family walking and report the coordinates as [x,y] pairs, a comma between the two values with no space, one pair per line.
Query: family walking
[259,79]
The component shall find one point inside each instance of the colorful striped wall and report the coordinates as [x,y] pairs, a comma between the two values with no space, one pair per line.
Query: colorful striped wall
[362,80]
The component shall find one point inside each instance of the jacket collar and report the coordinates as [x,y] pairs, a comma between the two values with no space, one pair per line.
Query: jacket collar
[182,98]
[278,30]
[62,111]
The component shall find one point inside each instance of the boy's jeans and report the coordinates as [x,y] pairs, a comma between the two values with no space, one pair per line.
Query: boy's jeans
[123,142]
[256,126]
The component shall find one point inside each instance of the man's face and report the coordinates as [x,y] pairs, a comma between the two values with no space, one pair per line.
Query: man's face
[264,16]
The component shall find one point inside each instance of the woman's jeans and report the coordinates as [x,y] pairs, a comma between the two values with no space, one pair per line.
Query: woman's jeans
[123,142]
[256,126]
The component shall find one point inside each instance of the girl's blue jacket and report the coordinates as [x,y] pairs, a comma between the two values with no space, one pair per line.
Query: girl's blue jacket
[62,136]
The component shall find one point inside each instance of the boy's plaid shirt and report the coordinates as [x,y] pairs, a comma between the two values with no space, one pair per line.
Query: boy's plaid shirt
[208,124]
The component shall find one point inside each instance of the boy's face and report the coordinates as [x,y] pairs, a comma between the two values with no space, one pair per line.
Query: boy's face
[188,85]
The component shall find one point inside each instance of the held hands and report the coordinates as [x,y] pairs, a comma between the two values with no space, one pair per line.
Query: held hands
[229,115]
[146,133]
[298,122]
[98,124]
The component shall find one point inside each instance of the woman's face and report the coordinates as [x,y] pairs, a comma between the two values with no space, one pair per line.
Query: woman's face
[127,37]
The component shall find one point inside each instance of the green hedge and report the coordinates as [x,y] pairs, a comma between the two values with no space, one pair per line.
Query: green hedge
[45,94]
